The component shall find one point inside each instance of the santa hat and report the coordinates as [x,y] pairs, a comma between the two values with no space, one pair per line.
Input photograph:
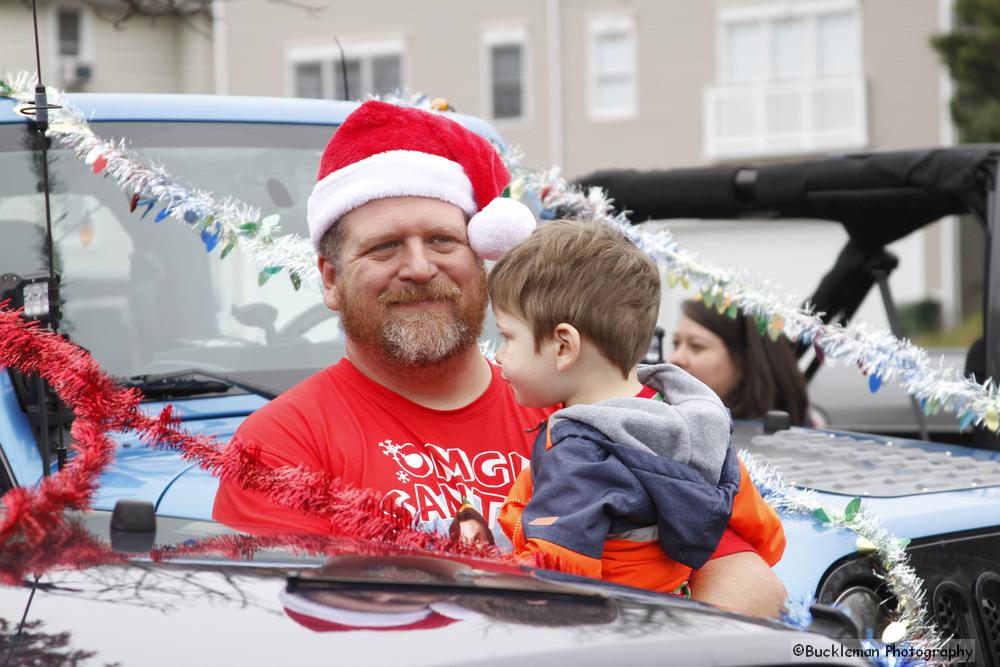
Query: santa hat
[384,150]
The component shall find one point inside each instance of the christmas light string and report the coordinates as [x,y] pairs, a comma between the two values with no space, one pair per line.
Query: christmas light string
[232,225]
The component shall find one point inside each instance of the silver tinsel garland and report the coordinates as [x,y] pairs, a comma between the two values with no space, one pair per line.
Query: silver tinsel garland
[225,221]
[879,354]
[911,622]
[235,226]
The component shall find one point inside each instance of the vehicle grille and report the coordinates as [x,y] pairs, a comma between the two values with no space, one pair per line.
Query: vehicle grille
[988,603]
[953,615]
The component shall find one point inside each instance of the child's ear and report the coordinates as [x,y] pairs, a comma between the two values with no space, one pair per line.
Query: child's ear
[567,342]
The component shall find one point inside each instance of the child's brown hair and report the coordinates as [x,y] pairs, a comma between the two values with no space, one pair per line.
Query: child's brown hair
[586,274]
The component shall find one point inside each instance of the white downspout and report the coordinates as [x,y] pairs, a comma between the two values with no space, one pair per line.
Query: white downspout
[553,20]
[219,47]
[951,261]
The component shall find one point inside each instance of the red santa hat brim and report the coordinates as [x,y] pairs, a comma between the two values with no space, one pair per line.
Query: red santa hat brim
[320,617]
[398,173]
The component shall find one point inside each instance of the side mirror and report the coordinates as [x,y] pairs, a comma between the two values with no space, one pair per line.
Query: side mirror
[133,526]
[260,315]
[777,420]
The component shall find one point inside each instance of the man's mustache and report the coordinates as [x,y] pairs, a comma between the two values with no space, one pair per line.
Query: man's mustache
[436,291]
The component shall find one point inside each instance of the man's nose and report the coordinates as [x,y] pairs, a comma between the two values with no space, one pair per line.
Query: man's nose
[418,265]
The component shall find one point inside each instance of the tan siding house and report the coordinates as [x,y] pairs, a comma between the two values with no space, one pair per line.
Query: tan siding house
[678,54]
[80,50]
[585,84]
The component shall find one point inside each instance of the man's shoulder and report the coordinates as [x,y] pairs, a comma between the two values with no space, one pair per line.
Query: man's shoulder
[311,389]
[318,395]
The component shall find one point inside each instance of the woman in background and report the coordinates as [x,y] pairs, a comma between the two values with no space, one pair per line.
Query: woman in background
[751,373]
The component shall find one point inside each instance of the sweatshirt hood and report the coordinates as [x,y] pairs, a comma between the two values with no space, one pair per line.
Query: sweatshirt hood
[690,425]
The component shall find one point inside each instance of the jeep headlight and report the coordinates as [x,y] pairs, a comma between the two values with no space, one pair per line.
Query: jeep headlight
[865,608]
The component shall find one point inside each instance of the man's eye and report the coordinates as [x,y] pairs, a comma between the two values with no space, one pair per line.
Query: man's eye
[383,247]
[443,240]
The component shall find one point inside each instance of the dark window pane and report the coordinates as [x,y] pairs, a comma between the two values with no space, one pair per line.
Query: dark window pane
[69,32]
[506,81]
[308,80]
[386,74]
[353,90]
[507,62]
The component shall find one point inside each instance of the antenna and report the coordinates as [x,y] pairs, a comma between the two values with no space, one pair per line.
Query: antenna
[343,68]
[40,111]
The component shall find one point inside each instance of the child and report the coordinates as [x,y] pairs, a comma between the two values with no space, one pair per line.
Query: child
[633,490]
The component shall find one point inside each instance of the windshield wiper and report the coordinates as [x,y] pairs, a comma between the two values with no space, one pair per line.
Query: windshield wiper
[190,382]
[176,385]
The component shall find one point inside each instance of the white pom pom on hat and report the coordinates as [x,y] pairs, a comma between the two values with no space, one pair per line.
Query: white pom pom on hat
[383,150]
[499,227]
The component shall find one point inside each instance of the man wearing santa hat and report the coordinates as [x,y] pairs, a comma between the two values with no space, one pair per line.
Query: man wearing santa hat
[407,206]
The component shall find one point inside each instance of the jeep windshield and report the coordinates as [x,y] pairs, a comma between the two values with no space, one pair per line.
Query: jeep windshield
[144,296]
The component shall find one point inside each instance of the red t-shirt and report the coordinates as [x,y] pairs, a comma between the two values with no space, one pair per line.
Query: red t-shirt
[343,423]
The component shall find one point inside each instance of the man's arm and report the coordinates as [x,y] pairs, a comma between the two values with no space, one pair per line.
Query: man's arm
[742,582]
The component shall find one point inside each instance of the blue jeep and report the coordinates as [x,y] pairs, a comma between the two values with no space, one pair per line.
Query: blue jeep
[161,314]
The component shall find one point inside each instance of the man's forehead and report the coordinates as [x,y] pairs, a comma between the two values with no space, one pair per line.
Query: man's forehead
[402,215]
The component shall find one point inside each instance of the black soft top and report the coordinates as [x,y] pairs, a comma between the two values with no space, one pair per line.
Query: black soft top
[879,197]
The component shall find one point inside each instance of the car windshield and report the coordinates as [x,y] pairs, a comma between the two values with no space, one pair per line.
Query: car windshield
[145,297]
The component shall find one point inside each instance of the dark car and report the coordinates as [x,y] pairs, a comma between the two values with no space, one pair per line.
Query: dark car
[309,600]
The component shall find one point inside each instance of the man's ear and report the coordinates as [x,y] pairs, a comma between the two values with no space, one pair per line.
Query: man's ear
[567,342]
[328,272]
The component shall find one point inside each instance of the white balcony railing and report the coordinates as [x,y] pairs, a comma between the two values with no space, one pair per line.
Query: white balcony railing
[773,119]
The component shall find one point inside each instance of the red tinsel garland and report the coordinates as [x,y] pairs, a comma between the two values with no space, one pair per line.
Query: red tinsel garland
[67,546]
[100,407]
[245,547]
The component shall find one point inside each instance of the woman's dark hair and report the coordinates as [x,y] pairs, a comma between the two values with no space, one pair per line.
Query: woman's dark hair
[770,377]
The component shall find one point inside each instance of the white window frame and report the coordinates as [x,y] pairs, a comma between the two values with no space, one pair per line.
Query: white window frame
[328,57]
[767,13]
[506,35]
[86,54]
[809,83]
[605,25]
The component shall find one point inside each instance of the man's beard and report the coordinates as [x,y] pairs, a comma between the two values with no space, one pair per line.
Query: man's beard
[418,338]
